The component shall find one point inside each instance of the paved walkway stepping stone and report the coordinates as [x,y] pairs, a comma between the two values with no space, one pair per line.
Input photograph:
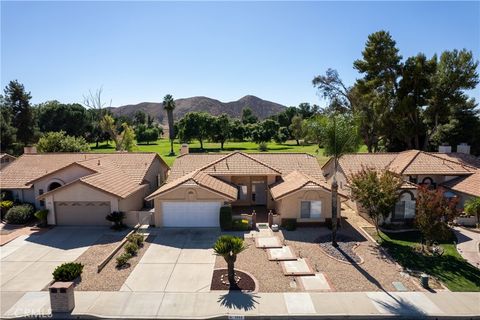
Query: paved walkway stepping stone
[281,254]
[318,282]
[299,267]
[268,242]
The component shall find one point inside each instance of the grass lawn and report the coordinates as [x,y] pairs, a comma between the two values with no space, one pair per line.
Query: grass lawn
[450,268]
[162,147]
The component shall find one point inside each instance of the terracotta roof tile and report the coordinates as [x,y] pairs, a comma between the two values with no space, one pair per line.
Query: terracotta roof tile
[351,164]
[237,163]
[469,185]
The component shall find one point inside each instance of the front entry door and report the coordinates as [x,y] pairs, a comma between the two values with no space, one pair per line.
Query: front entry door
[259,192]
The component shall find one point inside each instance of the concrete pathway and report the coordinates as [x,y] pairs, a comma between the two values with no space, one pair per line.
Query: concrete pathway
[468,245]
[213,304]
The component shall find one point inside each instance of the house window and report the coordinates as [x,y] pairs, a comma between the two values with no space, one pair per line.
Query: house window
[243,191]
[310,209]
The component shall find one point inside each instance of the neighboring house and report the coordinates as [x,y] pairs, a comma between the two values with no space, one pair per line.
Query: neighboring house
[82,188]
[5,160]
[415,167]
[289,184]
[465,188]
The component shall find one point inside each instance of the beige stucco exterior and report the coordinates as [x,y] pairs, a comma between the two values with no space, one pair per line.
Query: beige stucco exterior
[192,193]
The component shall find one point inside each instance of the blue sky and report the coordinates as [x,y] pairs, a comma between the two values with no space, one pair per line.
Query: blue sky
[140,51]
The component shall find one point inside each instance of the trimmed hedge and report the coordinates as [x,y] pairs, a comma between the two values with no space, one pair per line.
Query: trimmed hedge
[68,271]
[226,218]
[20,214]
[131,248]
[5,205]
[136,238]
[123,259]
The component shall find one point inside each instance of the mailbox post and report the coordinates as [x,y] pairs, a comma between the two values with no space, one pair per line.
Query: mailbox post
[62,298]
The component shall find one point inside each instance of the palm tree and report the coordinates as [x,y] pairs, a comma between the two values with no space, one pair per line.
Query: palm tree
[169,106]
[228,247]
[339,136]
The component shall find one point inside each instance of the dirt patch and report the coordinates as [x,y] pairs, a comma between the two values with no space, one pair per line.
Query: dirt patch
[110,278]
[220,281]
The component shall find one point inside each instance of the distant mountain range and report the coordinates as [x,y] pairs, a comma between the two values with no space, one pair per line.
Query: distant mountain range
[261,108]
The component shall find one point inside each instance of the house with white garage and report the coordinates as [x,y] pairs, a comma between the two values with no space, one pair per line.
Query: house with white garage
[82,188]
[291,185]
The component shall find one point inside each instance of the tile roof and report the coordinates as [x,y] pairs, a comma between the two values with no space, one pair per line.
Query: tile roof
[117,173]
[202,179]
[237,163]
[469,185]
[351,164]
[463,158]
[294,181]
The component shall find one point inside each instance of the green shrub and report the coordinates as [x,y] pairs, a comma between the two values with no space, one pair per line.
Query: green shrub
[262,146]
[131,248]
[123,259]
[289,224]
[41,215]
[240,225]
[117,218]
[5,205]
[68,271]
[19,214]
[226,218]
[136,238]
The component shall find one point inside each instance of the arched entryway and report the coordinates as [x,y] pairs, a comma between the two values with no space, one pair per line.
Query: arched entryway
[54,185]
[405,207]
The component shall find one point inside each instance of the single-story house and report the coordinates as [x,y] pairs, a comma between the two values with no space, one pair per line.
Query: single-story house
[289,184]
[82,188]
[5,160]
[416,168]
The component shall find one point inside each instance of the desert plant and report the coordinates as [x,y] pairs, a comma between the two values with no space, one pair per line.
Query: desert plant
[68,271]
[289,224]
[19,214]
[262,146]
[41,215]
[229,247]
[472,207]
[136,238]
[117,218]
[131,248]
[226,218]
[5,205]
[123,259]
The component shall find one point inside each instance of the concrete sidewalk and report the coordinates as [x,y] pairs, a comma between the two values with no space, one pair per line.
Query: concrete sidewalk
[467,245]
[214,304]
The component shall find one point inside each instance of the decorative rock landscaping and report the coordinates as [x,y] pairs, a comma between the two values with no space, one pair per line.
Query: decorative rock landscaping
[345,252]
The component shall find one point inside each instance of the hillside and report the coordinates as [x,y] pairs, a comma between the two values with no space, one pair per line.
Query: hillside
[261,108]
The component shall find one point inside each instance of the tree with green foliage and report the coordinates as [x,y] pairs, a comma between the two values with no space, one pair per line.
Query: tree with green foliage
[146,134]
[169,106]
[264,131]
[56,116]
[194,125]
[339,136]
[237,130]
[331,87]
[376,191]
[140,117]
[17,99]
[313,129]
[220,129]
[7,131]
[285,117]
[296,129]
[434,211]
[282,135]
[125,140]
[472,206]
[59,141]
[229,247]
[248,116]
[306,110]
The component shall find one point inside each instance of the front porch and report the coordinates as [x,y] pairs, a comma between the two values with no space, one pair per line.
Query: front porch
[260,210]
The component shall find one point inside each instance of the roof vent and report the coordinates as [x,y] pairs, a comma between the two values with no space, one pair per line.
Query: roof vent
[98,163]
[463,148]
[184,149]
[444,149]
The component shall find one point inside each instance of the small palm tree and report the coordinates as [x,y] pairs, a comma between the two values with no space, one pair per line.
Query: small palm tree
[228,247]
[169,106]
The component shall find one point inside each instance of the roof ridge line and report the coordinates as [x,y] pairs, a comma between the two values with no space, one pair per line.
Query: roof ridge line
[433,154]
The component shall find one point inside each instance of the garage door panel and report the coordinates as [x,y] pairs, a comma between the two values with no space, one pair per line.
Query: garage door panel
[89,213]
[191,214]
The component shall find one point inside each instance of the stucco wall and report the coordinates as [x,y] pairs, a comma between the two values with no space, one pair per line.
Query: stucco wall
[289,207]
[183,193]
[156,168]
[63,177]
[24,195]
[133,202]
[78,192]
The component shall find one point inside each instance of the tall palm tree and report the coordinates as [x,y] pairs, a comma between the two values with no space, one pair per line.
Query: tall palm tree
[340,136]
[229,247]
[169,106]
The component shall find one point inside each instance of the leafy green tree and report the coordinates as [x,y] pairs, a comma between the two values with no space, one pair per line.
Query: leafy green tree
[381,68]
[296,129]
[376,191]
[433,213]
[125,140]
[194,125]
[472,206]
[339,136]
[59,141]
[282,135]
[248,116]
[7,131]
[285,117]
[237,131]
[264,131]
[71,118]
[220,129]
[146,134]
[332,88]
[169,106]
[18,100]
[313,129]
[140,117]
[306,110]
[229,247]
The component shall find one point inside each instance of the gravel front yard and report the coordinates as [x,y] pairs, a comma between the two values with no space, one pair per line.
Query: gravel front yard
[110,278]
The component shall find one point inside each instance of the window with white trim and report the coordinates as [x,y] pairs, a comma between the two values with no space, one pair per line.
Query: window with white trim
[243,191]
[310,209]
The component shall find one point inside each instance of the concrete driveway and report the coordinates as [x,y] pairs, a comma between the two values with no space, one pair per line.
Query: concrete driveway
[178,260]
[27,262]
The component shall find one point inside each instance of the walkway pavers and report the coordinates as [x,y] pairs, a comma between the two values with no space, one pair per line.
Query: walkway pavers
[281,254]
[317,282]
[299,267]
[268,242]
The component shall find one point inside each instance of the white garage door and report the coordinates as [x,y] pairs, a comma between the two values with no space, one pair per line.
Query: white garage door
[191,214]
